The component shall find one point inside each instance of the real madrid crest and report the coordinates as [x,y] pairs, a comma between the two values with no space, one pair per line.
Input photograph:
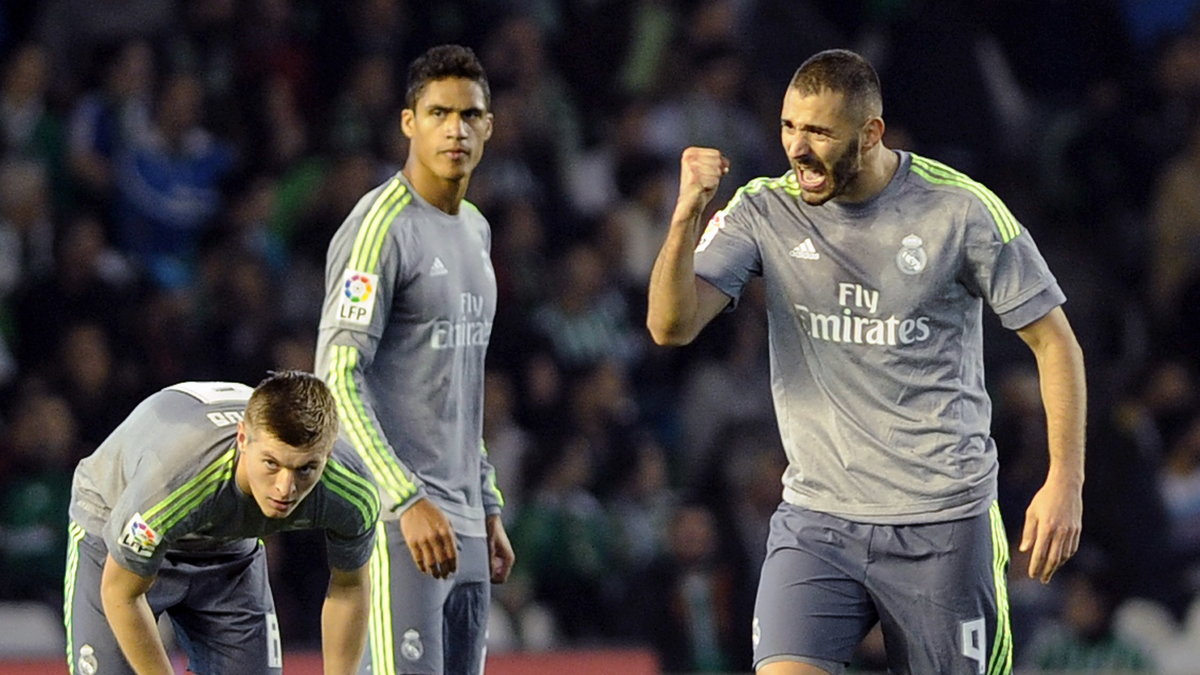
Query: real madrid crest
[912,257]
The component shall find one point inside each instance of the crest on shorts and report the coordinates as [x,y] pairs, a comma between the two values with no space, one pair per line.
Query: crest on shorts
[139,537]
[912,257]
[411,648]
[87,660]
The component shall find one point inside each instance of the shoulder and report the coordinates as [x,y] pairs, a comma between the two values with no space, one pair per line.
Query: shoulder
[965,193]
[759,191]
[348,481]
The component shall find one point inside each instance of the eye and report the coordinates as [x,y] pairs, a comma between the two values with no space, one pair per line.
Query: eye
[472,114]
[271,464]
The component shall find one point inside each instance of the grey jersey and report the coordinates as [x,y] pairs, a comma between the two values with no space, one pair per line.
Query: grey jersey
[876,342]
[163,481]
[409,301]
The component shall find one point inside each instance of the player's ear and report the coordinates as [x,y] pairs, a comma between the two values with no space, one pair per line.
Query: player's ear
[241,435]
[408,122]
[487,131]
[871,133]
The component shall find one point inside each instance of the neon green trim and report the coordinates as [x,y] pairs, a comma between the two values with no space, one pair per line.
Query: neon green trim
[377,245]
[353,413]
[489,482]
[368,230]
[940,174]
[1001,660]
[786,182]
[75,535]
[383,654]
[184,499]
[354,489]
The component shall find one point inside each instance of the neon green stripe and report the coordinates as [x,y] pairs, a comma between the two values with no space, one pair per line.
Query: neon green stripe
[1000,662]
[372,221]
[377,245]
[380,621]
[936,172]
[1005,222]
[786,182]
[74,538]
[366,440]
[353,489]
[362,433]
[491,475]
[183,499]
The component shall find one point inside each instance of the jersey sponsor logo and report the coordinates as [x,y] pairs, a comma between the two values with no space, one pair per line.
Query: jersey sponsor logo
[805,251]
[139,537]
[470,329]
[438,268]
[710,232]
[851,326]
[912,257]
[357,303]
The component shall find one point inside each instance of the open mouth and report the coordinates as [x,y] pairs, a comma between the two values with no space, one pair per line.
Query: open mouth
[811,180]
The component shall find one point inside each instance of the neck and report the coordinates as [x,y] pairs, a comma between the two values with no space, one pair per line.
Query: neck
[879,165]
[445,194]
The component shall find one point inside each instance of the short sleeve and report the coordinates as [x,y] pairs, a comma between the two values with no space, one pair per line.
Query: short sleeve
[727,255]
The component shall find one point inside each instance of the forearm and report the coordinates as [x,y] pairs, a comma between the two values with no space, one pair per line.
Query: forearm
[1064,395]
[344,625]
[136,631]
[672,302]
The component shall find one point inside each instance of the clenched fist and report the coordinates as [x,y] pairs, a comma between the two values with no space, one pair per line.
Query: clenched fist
[700,173]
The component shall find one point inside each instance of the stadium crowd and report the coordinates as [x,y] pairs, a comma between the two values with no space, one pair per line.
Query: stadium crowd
[171,173]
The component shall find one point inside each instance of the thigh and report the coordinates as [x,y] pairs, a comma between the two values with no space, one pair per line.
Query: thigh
[464,626]
[91,646]
[227,623]
[942,598]
[812,606]
[405,627]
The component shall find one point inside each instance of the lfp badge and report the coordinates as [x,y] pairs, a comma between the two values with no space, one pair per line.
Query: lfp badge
[139,537]
[357,301]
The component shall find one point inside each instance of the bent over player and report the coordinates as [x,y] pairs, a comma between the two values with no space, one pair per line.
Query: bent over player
[876,265]
[167,513]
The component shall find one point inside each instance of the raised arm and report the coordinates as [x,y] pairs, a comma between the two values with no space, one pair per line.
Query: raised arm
[1053,521]
[344,620]
[123,594]
[681,304]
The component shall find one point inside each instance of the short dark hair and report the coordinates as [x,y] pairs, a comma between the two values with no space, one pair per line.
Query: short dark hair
[442,62]
[295,407]
[844,72]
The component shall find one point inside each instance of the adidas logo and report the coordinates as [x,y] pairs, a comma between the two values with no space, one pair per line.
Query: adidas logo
[805,251]
[438,268]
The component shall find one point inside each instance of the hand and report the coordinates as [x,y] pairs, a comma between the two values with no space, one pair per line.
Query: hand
[500,552]
[430,539]
[1053,523]
[700,173]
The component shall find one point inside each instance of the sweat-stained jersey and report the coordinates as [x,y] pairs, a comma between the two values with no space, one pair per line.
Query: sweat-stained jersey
[875,331]
[163,481]
[409,301]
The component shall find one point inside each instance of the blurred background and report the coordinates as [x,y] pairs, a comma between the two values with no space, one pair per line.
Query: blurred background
[171,172]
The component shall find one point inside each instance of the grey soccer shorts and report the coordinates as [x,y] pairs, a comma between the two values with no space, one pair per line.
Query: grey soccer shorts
[221,609]
[937,590]
[422,625]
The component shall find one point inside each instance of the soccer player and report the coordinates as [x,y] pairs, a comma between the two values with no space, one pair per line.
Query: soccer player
[876,265]
[410,297]
[167,513]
